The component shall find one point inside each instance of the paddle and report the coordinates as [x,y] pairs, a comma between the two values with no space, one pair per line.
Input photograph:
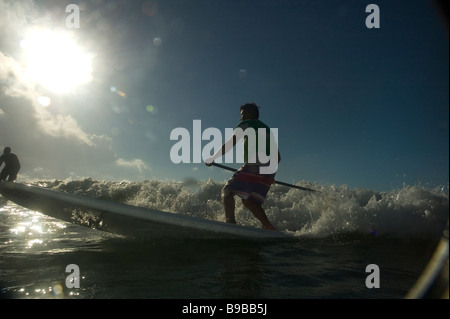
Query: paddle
[276,182]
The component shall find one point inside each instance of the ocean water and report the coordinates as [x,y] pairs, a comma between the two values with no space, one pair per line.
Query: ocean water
[337,235]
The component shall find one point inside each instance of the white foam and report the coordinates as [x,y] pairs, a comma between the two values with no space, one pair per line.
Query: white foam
[412,211]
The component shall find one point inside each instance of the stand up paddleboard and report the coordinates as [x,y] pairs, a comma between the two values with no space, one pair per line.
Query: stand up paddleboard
[137,222]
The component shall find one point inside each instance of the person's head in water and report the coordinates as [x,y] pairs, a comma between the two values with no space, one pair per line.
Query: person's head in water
[7,150]
[249,111]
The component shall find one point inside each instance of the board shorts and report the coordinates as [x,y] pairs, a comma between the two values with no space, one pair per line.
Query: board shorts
[247,183]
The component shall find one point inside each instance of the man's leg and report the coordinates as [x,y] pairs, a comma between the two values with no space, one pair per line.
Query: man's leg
[259,213]
[12,176]
[3,175]
[228,204]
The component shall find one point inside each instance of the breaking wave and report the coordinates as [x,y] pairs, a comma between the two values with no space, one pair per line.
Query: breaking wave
[411,212]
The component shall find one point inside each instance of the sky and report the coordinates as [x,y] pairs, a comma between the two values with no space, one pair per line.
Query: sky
[356,106]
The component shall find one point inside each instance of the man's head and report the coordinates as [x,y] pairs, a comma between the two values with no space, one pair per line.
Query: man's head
[7,150]
[249,111]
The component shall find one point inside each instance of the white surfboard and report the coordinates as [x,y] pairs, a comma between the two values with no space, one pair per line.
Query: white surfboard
[125,219]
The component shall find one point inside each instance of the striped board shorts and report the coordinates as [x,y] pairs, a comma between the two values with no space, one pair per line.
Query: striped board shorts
[247,183]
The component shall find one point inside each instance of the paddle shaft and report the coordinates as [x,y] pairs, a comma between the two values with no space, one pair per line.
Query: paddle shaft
[276,182]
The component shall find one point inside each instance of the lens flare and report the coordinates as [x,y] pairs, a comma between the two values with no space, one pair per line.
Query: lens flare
[151,109]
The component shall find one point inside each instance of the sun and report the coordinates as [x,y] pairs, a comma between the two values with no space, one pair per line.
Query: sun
[54,60]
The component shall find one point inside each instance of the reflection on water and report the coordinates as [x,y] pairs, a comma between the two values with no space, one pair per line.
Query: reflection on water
[30,246]
[35,251]
[31,227]
[40,233]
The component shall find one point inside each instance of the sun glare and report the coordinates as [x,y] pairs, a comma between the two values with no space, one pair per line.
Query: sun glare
[54,60]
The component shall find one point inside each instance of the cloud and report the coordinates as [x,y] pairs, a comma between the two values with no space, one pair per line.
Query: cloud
[16,84]
[48,141]
[12,76]
[61,126]
[52,152]
[52,140]
[138,164]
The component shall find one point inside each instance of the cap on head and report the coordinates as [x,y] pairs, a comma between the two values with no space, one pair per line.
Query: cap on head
[251,109]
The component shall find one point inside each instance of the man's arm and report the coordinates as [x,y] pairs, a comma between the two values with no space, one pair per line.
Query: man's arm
[226,147]
[16,163]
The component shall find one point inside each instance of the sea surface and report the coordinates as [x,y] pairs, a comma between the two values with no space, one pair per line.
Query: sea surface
[337,234]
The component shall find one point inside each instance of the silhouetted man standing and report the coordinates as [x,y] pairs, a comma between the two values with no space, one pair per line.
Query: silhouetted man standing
[248,182]
[12,165]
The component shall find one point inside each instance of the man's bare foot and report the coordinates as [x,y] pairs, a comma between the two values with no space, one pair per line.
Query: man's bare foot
[269,227]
